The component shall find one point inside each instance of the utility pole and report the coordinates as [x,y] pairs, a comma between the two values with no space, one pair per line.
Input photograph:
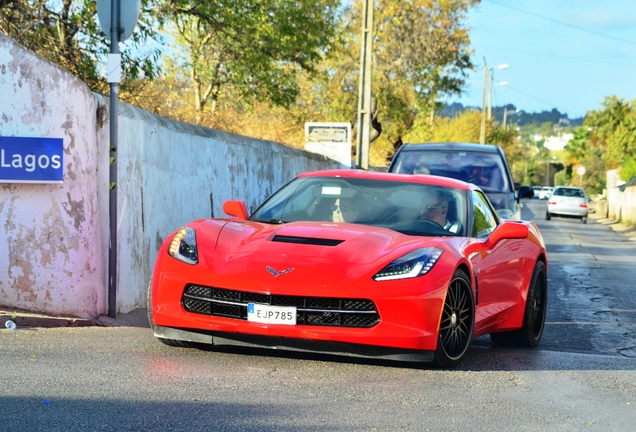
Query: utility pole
[505,115]
[113,81]
[118,19]
[482,133]
[364,96]
[490,96]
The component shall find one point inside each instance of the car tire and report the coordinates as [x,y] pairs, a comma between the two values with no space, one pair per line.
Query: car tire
[457,322]
[584,220]
[548,216]
[169,342]
[529,335]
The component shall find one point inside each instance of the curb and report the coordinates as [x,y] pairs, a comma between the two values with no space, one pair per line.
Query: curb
[22,320]
[25,319]
[626,231]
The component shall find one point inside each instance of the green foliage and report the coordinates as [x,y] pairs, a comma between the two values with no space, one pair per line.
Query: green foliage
[584,150]
[606,140]
[67,32]
[614,129]
[421,54]
[246,51]
[465,127]
[629,169]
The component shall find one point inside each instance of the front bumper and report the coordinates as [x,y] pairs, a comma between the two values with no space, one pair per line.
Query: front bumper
[296,345]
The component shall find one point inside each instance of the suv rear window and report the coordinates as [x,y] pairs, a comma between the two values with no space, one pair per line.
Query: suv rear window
[486,170]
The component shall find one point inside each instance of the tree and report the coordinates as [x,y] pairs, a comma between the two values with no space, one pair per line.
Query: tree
[463,127]
[66,32]
[247,51]
[581,150]
[421,54]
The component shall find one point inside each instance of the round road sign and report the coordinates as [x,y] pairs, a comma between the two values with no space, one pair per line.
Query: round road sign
[128,15]
[580,170]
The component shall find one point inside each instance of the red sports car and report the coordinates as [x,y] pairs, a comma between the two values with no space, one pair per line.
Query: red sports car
[409,267]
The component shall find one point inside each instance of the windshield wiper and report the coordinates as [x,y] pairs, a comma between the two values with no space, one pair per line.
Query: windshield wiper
[269,221]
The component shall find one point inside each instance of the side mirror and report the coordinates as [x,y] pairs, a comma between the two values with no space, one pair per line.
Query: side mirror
[525,192]
[508,230]
[235,208]
[517,185]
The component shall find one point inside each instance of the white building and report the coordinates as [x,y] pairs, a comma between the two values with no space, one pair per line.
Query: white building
[557,143]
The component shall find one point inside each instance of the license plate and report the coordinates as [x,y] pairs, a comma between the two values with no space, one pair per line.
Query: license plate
[271,314]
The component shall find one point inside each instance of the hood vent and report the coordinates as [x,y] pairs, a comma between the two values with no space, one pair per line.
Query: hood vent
[307,240]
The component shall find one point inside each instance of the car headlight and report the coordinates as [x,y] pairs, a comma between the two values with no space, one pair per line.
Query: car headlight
[184,246]
[413,264]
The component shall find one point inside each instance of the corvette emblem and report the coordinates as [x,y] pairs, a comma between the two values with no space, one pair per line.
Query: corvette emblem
[278,273]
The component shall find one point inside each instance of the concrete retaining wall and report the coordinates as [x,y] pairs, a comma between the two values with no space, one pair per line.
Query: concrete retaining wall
[54,238]
[621,205]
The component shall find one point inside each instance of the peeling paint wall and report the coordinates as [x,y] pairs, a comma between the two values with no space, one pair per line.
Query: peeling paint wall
[54,238]
[171,173]
[51,257]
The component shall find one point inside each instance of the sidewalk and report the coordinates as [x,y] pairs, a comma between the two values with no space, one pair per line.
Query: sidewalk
[628,232]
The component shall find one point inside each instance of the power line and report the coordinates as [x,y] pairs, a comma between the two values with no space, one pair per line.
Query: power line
[558,56]
[532,97]
[563,23]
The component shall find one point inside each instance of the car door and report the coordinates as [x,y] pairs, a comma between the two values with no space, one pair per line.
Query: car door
[497,268]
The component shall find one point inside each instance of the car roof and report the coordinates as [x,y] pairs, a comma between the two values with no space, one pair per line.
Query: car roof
[472,147]
[404,178]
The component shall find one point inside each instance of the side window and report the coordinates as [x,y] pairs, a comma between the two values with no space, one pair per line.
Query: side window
[485,219]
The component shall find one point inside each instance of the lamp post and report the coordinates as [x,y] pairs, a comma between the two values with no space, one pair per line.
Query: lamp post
[487,72]
[482,131]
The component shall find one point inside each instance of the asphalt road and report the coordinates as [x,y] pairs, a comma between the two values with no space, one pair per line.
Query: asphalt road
[582,377]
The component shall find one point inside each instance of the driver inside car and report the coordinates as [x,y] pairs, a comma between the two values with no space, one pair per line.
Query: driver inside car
[435,208]
[345,210]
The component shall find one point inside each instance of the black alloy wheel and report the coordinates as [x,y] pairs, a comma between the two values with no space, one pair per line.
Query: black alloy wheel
[457,322]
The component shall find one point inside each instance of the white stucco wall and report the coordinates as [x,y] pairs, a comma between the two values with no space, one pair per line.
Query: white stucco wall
[168,172]
[54,238]
[50,234]
[621,204]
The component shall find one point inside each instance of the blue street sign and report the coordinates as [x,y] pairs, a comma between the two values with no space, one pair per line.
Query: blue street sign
[31,160]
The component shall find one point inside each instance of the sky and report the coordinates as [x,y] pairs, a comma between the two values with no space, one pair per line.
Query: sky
[563,54]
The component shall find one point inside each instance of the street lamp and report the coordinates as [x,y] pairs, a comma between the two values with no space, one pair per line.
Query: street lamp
[482,134]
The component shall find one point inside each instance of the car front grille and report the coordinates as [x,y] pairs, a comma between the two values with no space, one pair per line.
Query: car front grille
[316,311]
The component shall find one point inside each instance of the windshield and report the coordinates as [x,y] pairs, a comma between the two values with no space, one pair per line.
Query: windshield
[410,208]
[485,170]
[569,192]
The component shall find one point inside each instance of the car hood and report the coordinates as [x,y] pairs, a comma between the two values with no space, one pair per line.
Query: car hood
[354,244]
[262,257]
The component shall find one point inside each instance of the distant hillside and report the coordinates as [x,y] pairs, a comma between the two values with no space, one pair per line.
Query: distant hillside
[520,117]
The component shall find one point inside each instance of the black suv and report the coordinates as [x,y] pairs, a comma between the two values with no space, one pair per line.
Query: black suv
[484,165]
